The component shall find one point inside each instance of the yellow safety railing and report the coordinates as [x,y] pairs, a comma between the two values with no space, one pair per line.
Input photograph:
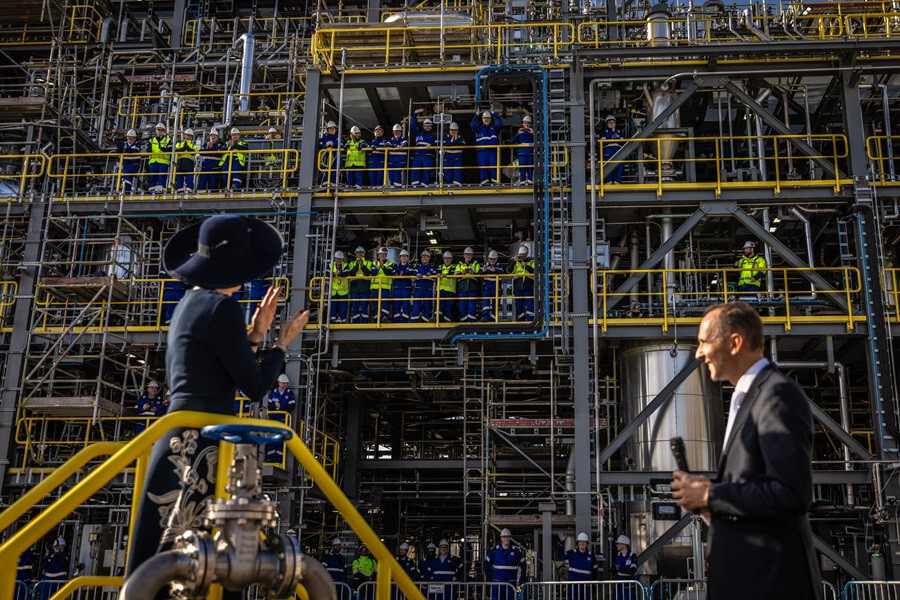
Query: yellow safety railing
[505,156]
[138,450]
[72,171]
[85,22]
[150,302]
[137,106]
[19,170]
[890,281]
[274,30]
[8,290]
[669,303]
[81,25]
[709,162]
[476,10]
[464,44]
[867,436]
[882,151]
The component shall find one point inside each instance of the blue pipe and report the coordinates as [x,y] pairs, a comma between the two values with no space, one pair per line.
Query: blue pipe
[869,324]
[545,134]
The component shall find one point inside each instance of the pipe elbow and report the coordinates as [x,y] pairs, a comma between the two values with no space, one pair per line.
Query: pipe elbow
[316,580]
[153,574]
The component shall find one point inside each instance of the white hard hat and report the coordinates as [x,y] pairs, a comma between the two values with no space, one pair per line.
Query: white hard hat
[339,254]
[443,543]
[360,249]
[283,378]
[749,244]
[523,250]
[397,127]
[582,537]
[426,253]
[355,129]
[486,114]
[448,254]
[609,118]
[377,127]
[330,124]
[404,252]
[469,250]
[235,130]
[382,250]
[404,546]
[214,132]
[623,539]
[505,532]
[291,533]
[526,119]
[493,254]
[60,542]
[189,131]
[131,133]
[336,542]
[153,384]
[273,130]
[161,126]
[431,546]
[454,125]
[427,122]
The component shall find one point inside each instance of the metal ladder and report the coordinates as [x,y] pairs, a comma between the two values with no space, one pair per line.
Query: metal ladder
[558,181]
[475,438]
[848,259]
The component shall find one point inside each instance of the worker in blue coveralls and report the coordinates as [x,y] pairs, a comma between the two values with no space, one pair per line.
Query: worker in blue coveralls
[522,269]
[131,160]
[25,572]
[487,136]
[423,299]
[447,288]
[524,140]
[402,290]
[445,569]
[624,569]
[426,567]
[614,175]
[162,404]
[381,284]
[336,565]
[358,270]
[281,400]
[504,563]
[375,156]
[340,290]
[425,141]
[453,155]
[159,146]
[146,407]
[210,156]
[397,156]
[407,564]
[330,144]
[582,566]
[56,569]
[468,285]
[491,273]
[172,293]
[234,162]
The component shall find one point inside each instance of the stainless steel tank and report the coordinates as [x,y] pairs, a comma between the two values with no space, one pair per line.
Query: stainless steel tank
[393,253]
[659,31]
[695,413]
[658,99]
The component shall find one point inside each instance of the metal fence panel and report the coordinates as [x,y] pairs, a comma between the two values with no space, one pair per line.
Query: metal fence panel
[872,590]
[457,590]
[584,590]
[678,589]
[829,592]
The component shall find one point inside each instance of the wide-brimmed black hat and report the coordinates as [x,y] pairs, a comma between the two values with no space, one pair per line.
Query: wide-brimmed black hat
[223,251]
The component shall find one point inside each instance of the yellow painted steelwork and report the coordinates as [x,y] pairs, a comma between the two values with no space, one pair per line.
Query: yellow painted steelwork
[137,105]
[80,583]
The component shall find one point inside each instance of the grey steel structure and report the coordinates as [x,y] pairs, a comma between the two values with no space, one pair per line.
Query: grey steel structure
[770,123]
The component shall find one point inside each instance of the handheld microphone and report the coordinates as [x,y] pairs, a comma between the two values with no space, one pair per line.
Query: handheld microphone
[677,446]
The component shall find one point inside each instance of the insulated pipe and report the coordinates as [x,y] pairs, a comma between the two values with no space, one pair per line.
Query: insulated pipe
[668,261]
[760,143]
[747,21]
[767,253]
[809,245]
[246,69]
[316,580]
[635,262]
[149,578]
[570,498]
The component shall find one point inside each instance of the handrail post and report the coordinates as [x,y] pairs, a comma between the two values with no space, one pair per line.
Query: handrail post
[787,300]
[775,157]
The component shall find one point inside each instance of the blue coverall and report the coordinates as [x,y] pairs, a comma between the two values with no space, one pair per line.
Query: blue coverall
[257,289]
[447,570]
[336,566]
[397,159]
[625,567]
[423,299]
[583,566]
[56,572]
[525,154]
[609,149]
[184,164]
[148,413]
[424,158]
[375,161]
[359,270]
[283,401]
[160,405]
[159,170]
[331,144]
[488,136]
[491,279]
[232,165]
[504,566]
[131,164]
[210,173]
[25,573]
[173,292]
[409,567]
[402,291]
[453,159]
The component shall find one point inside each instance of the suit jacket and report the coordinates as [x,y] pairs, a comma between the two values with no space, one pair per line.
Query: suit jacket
[760,544]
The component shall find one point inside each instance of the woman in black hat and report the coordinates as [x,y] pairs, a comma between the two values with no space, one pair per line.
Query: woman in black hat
[210,355]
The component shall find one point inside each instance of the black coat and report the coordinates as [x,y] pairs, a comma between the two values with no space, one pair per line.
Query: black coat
[760,544]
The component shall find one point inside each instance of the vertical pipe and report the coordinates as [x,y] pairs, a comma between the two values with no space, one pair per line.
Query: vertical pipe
[760,143]
[807,228]
[635,262]
[247,57]
[595,329]
[767,253]
[668,261]
[844,396]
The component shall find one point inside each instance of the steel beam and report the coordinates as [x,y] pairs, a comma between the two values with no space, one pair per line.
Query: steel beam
[854,571]
[777,125]
[633,143]
[661,399]
[670,534]
[534,463]
[657,256]
[838,431]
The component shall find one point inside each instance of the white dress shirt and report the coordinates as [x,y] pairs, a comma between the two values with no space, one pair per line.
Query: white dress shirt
[740,390]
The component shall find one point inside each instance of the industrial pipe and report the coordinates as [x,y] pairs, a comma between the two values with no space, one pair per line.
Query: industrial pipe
[809,245]
[747,21]
[316,580]
[248,41]
[149,578]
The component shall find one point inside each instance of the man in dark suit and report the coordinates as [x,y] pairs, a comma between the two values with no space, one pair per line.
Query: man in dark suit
[760,544]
